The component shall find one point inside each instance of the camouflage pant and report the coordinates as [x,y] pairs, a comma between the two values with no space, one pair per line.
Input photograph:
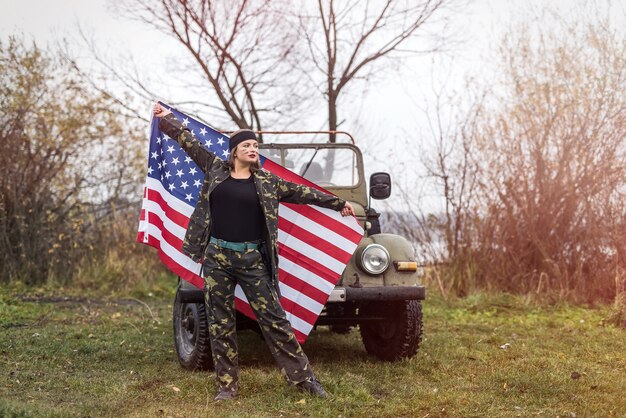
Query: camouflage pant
[223,269]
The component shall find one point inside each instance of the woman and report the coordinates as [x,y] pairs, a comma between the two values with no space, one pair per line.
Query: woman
[233,232]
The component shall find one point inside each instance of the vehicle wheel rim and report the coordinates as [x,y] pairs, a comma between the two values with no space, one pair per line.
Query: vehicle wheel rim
[187,330]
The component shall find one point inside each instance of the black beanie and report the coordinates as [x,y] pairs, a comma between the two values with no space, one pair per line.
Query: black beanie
[239,136]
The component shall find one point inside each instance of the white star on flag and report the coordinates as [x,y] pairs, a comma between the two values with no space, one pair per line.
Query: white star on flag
[220,141]
[184,185]
[179,173]
[192,171]
[202,131]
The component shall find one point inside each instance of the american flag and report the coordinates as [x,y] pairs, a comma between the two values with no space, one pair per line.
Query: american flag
[314,243]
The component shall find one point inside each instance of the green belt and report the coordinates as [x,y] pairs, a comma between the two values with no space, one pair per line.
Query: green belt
[235,246]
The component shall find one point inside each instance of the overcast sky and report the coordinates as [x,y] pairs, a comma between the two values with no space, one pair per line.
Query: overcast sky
[389,108]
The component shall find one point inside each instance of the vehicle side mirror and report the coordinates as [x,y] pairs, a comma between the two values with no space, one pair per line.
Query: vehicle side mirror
[380,186]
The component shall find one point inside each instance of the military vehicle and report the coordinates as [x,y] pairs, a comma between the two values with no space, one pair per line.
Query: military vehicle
[379,290]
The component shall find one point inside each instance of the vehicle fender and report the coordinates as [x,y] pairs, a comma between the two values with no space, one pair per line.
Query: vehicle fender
[399,248]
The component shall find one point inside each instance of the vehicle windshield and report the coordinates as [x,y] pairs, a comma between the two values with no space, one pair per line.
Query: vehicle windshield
[323,166]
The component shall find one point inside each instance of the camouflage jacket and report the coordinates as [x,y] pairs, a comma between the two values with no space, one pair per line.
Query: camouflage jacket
[270,188]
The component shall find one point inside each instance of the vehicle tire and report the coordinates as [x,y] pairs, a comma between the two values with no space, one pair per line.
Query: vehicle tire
[191,335]
[340,329]
[396,337]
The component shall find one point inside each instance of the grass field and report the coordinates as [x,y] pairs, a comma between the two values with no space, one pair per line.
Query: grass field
[492,356]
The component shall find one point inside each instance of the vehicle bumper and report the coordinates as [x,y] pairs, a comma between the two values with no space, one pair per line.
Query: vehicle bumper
[339,294]
[354,294]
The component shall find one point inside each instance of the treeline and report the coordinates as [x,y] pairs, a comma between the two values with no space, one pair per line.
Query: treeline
[69,173]
[533,172]
[530,164]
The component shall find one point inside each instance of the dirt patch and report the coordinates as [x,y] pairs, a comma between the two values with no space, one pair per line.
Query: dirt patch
[77,300]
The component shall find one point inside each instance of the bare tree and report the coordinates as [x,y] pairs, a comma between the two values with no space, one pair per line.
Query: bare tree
[357,34]
[239,50]
[436,210]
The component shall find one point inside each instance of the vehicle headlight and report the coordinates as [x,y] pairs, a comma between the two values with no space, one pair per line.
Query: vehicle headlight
[375,259]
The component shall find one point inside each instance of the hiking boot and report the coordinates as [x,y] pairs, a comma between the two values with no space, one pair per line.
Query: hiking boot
[226,394]
[313,387]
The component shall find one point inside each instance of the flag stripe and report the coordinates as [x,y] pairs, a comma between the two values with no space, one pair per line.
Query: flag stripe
[296,282]
[163,203]
[303,300]
[310,252]
[308,264]
[297,323]
[297,310]
[315,242]
[154,220]
[176,204]
[176,231]
[172,258]
[315,232]
[174,253]
[292,267]
[342,225]
[323,218]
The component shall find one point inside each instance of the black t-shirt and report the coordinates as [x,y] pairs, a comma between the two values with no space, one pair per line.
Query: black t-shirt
[236,213]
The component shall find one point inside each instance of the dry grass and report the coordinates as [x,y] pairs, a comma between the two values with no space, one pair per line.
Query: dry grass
[113,358]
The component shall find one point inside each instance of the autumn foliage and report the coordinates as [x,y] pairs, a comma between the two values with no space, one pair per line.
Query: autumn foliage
[67,167]
[534,185]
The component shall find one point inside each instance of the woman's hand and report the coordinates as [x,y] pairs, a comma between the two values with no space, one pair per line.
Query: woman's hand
[347,210]
[159,111]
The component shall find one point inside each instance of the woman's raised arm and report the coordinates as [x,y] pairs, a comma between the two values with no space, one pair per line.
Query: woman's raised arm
[173,128]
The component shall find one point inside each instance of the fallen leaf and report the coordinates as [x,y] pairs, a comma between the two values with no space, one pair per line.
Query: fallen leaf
[175,389]
[575,375]
[505,346]
[301,401]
